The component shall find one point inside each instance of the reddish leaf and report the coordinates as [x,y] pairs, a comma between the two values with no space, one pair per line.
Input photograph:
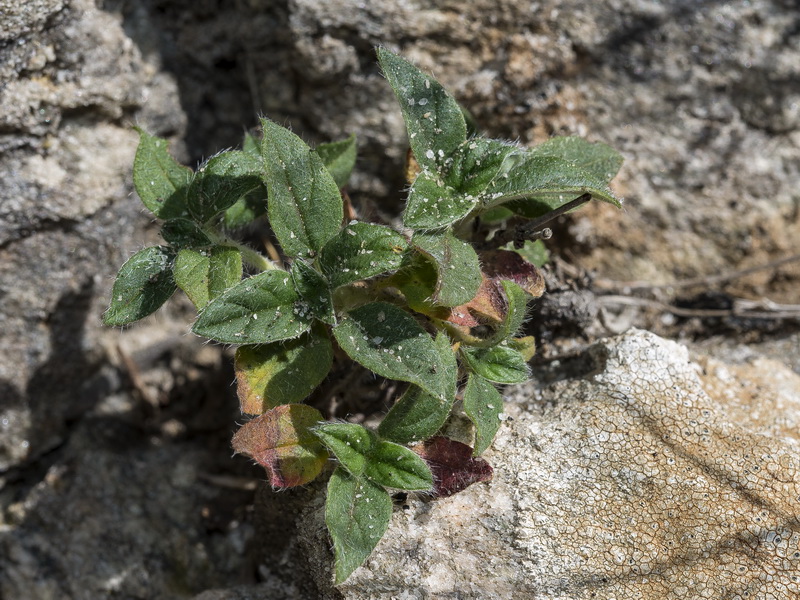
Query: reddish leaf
[453,466]
[280,440]
[504,264]
[489,306]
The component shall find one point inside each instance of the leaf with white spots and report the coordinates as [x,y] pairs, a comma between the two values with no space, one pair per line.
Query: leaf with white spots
[158,178]
[457,266]
[206,273]
[268,375]
[417,415]
[533,185]
[361,452]
[357,513]
[315,290]
[434,120]
[433,205]
[483,405]
[360,251]
[305,207]
[261,309]
[389,341]
[183,233]
[142,285]
[221,182]
[476,163]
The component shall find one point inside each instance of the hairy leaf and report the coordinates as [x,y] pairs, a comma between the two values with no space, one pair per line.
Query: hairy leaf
[475,164]
[183,233]
[204,274]
[433,205]
[457,267]
[314,290]
[261,309]
[434,121]
[500,363]
[142,285]
[221,182]
[417,415]
[251,145]
[281,441]
[361,452]
[349,443]
[390,342]
[526,346]
[305,207]
[395,466]
[511,266]
[453,466]
[357,513]
[597,159]
[269,375]
[483,405]
[545,182]
[360,251]
[339,158]
[246,209]
[159,180]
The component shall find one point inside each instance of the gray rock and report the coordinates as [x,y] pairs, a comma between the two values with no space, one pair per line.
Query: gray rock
[650,477]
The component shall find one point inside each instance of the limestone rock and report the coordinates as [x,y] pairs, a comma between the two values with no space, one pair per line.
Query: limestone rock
[649,478]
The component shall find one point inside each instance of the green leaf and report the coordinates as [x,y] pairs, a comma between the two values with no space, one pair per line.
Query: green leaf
[357,513]
[305,207]
[386,463]
[349,443]
[284,372]
[184,233]
[142,285]
[261,309]
[246,210]
[535,252]
[483,405]
[315,290]
[599,160]
[457,266]
[539,184]
[517,302]
[221,182]
[500,364]
[433,118]
[360,251]
[205,274]
[282,442]
[432,204]
[395,466]
[390,342]
[417,415]
[476,163]
[159,180]
[339,158]
[251,145]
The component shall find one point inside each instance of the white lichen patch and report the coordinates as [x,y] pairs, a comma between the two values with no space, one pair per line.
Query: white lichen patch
[640,481]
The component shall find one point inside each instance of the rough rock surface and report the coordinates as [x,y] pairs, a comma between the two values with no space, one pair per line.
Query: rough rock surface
[651,477]
[701,98]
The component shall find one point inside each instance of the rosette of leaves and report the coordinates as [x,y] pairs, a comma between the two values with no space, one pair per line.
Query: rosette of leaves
[424,308]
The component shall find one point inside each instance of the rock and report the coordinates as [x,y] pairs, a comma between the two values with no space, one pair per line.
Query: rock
[72,80]
[650,477]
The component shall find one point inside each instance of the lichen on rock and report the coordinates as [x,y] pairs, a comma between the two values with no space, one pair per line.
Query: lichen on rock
[631,482]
